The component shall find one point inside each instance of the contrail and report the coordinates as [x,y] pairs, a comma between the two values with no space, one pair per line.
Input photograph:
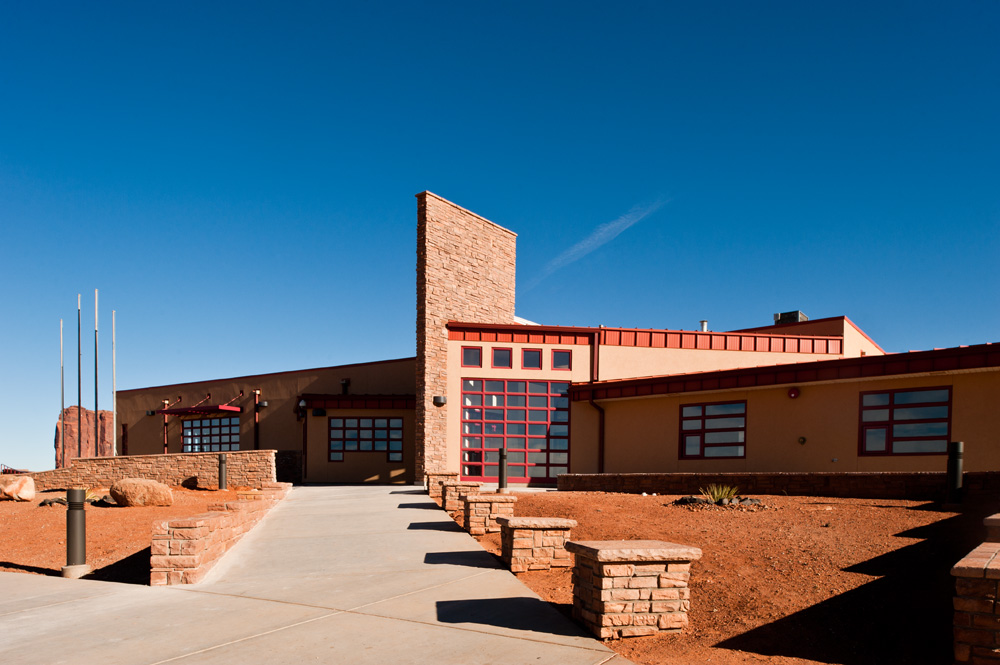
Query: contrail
[602,235]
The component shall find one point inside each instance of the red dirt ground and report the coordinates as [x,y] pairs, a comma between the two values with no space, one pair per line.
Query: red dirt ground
[808,580]
[33,537]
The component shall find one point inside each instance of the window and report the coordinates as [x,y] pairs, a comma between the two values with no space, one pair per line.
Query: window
[502,358]
[562,359]
[905,422]
[210,435]
[713,430]
[528,418]
[472,356]
[531,358]
[366,435]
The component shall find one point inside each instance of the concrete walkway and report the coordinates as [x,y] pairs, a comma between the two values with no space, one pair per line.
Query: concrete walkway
[332,575]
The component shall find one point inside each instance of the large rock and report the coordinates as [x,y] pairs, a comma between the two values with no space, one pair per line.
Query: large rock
[82,440]
[141,492]
[18,488]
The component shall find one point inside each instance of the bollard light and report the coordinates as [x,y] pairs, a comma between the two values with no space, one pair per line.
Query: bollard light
[76,535]
[956,453]
[222,472]
[502,485]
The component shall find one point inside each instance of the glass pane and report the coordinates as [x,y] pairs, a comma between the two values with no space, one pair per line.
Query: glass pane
[493,457]
[351,445]
[494,442]
[557,470]
[472,385]
[336,457]
[724,409]
[336,422]
[515,471]
[472,414]
[537,458]
[536,444]
[516,414]
[494,414]
[395,434]
[395,422]
[515,428]
[723,423]
[470,470]
[538,400]
[559,430]
[494,386]
[559,388]
[692,445]
[515,386]
[395,445]
[366,422]
[560,402]
[471,456]
[501,357]
[559,444]
[497,428]
[538,416]
[724,451]
[381,433]
[921,413]
[366,434]
[537,472]
[724,437]
[516,400]
[493,471]
[874,415]
[472,357]
[336,445]
[559,416]
[920,396]
[381,446]
[395,457]
[875,399]
[540,430]
[875,440]
[558,458]
[690,411]
[472,400]
[515,458]
[690,424]
[560,359]
[351,422]
[531,359]
[932,446]
[381,422]
[366,445]
[515,442]
[538,387]
[494,400]
[920,429]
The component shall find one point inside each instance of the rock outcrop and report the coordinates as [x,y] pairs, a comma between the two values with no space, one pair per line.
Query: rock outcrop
[104,447]
[17,488]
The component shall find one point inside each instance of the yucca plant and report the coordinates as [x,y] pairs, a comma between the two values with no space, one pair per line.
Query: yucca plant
[717,493]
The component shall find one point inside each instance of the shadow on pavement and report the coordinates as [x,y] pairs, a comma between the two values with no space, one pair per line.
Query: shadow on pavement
[471,558]
[133,569]
[444,525]
[514,613]
[424,492]
[429,505]
[17,567]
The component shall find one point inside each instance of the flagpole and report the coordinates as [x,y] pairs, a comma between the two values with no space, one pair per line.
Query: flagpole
[79,381]
[62,393]
[114,390]
[97,420]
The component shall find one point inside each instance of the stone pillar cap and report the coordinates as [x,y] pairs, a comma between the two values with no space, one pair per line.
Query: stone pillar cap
[490,498]
[537,522]
[452,483]
[633,550]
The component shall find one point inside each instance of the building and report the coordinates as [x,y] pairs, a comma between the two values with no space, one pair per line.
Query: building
[799,395]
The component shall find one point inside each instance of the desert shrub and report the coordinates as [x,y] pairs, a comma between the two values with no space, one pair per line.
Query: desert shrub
[717,493]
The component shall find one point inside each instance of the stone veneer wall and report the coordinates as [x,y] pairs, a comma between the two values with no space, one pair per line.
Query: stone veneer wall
[183,550]
[244,468]
[534,543]
[874,485]
[465,272]
[976,624]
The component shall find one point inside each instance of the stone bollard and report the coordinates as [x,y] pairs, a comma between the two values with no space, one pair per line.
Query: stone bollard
[481,512]
[452,492]
[534,543]
[628,588]
[434,480]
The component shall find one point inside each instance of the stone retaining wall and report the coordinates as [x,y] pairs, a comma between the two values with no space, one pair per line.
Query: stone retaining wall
[452,493]
[862,485]
[976,625]
[435,480]
[244,468]
[183,550]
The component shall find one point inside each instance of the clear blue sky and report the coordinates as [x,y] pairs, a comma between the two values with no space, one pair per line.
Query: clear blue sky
[237,178]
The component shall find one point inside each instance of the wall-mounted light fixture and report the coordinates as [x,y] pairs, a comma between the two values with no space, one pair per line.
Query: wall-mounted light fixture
[440,400]
[302,404]
[150,413]
[262,405]
[802,440]
[794,392]
[344,385]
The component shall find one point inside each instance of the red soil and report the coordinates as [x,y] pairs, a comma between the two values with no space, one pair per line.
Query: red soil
[807,580]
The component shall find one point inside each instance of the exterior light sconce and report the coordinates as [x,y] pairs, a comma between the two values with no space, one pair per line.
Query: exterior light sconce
[302,404]
[150,413]
[440,400]
[802,440]
[793,393]
[262,405]
[344,385]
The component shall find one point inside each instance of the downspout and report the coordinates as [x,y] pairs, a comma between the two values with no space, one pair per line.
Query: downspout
[594,376]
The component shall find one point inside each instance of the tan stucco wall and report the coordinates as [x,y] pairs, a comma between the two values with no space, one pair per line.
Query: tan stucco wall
[358,466]
[642,435]
[580,371]
[279,428]
[623,362]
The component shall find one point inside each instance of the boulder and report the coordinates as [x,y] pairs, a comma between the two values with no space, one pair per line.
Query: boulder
[18,488]
[141,492]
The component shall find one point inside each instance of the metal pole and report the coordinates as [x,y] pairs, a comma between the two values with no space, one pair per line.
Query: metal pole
[114,391]
[97,420]
[79,380]
[222,472]
[956,451]
[62,393]
[76,535]
[502,485]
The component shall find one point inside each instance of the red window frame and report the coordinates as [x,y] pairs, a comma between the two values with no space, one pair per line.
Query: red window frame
[895,420]
[508,413]
[569,363]
[525,351]
[701,430]
[477,349]
[338,440]
[493,358]
[207,435]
